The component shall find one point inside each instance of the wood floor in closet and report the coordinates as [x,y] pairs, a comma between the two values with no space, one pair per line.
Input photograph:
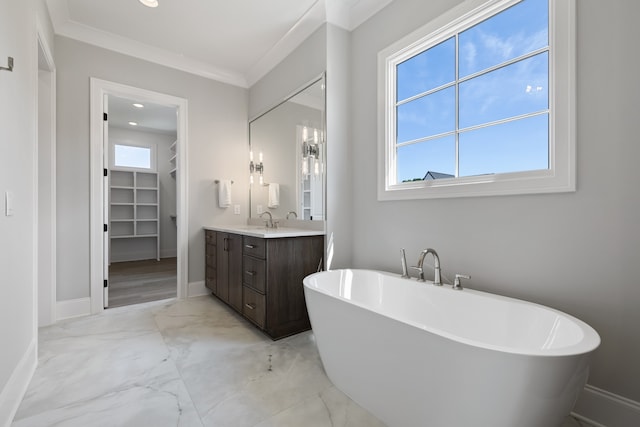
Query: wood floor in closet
[135,282]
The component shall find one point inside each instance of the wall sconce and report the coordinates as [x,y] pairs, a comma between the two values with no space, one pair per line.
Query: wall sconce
[255,167]
[311,152]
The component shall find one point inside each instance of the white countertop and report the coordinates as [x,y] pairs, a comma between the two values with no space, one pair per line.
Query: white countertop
[265,233]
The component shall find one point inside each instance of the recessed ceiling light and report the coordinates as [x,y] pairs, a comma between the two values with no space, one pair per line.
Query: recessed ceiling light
[138,105]
[150,3]
[133,123]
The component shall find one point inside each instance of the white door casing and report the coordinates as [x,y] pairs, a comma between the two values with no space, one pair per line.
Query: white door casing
[98,89]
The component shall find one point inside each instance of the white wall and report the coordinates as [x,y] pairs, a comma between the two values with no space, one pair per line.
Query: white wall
[340,162]
[217,130]
[138,249]
[18,160]
[577,252]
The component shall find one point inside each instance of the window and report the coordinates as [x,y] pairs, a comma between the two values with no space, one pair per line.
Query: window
[126,156]
[480,101]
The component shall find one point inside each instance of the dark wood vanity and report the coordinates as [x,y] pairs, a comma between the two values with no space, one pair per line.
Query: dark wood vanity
[261,278]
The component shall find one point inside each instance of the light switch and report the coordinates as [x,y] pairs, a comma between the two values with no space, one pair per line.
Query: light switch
[236,209]
[8,203]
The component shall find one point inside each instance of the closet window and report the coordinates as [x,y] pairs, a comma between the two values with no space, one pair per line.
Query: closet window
[133,157]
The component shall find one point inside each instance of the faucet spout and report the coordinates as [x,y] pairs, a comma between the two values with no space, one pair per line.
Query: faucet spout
[436,266]
[267,222]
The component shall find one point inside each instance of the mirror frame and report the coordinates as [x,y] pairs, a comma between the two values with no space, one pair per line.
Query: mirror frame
[321,78]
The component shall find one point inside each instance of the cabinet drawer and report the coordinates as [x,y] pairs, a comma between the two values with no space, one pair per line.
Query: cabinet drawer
[210,237]
[253,273]
[253,306]
[210,255]
[254,246]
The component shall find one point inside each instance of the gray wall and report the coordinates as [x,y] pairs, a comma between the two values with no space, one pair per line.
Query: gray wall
[18,159]
[217,130]
[304,64]
[577,252]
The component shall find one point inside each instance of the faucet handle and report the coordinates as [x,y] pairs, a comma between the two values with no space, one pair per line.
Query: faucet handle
[420,273]
[403,263]
[275,223]
[456,282]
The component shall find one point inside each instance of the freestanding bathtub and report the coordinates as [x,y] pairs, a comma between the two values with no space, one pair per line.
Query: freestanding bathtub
[417,355]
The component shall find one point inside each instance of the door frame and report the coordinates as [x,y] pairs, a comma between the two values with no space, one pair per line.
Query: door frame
[99,88]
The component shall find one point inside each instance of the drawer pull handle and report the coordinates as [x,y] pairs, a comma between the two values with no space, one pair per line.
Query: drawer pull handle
[250,246]
[250,273]
[250,306]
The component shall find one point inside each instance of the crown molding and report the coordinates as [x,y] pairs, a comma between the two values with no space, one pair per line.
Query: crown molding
[312,19]
[361,11]
[347,14]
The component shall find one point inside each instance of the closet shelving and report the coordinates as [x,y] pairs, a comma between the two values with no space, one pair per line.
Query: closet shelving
[173,156]
[135,206]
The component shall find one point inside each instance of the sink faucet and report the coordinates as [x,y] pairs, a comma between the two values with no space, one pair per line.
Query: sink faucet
[436,266]
[295,215]
[268,223]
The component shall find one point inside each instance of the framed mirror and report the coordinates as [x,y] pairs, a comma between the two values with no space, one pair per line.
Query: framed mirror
[287,157]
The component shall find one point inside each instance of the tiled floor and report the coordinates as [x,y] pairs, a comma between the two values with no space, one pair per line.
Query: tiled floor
[181,363]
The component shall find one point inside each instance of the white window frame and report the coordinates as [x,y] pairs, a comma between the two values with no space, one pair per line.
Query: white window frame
[561,175]
[153,156]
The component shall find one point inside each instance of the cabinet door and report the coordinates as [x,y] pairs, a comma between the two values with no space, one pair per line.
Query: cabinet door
[211,262]
[222,257]
[234,251]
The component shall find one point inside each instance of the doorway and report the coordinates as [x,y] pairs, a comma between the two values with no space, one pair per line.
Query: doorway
[101,227]
[141,153]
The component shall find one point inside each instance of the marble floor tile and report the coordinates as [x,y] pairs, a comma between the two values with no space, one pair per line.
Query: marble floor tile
[182,363]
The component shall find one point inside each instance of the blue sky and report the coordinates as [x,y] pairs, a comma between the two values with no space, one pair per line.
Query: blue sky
[513,90]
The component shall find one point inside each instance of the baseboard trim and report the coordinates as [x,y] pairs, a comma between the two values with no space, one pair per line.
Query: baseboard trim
[602,408]
[16,387]
[73,308]
[197,289]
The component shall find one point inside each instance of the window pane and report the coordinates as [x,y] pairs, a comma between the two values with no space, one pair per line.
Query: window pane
[516,31]
[132,157]
[521,145]
[520,88]
[427,116]
[435,158]
[428,70]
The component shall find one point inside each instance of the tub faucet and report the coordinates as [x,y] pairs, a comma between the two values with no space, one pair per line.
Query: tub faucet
[268,223]
[403,263]
[436,266]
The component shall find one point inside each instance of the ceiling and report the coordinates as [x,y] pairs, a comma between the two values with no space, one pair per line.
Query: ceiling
[233,41]
[150,118]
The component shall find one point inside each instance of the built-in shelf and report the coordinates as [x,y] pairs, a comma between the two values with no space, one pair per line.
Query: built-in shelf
[134,200]
[173,158]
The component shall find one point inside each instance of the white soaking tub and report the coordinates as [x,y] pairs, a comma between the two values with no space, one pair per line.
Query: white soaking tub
[414,354]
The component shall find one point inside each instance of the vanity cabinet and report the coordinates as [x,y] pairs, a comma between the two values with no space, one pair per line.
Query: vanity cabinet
[223,277]
[271,273]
